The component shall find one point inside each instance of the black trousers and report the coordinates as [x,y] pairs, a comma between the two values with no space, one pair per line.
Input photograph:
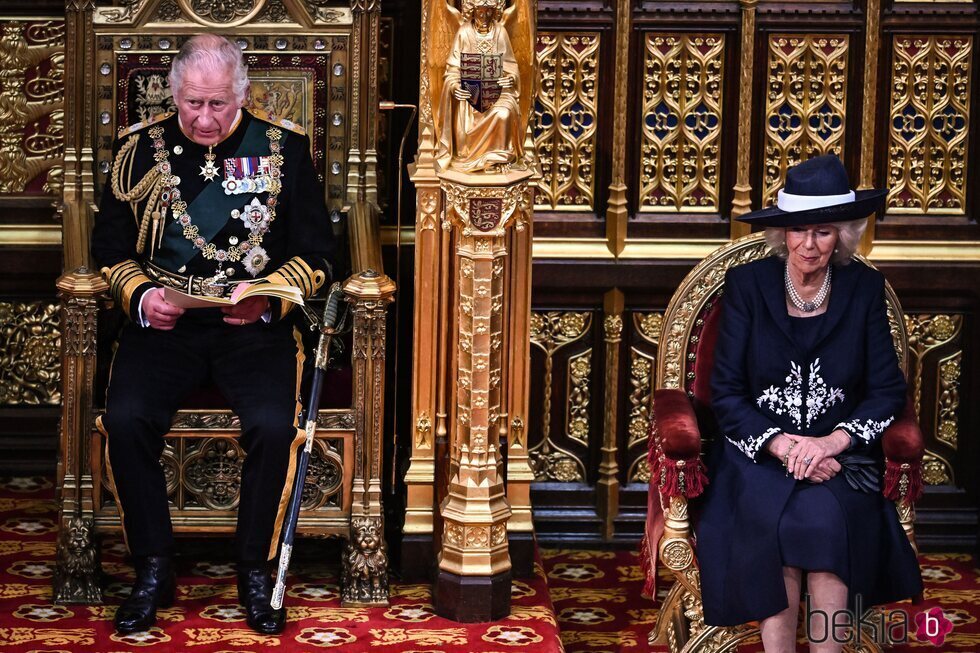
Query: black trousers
[257,367]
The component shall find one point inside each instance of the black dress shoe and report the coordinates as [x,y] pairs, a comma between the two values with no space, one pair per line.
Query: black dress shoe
[154,588]
[255,595]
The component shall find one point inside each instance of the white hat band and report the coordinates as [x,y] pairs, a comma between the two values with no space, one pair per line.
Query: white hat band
[794,203]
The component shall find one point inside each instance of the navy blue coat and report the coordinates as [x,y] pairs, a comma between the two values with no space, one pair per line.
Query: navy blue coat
[765,383]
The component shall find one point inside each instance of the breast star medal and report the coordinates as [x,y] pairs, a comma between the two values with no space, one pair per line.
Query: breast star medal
[209,171]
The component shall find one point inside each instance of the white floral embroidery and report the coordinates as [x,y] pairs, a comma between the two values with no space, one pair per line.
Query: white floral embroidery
[789,399]
[820,397]
[868,429]
[750,446]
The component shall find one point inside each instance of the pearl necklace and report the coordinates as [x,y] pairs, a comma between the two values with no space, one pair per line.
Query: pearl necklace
[818,299]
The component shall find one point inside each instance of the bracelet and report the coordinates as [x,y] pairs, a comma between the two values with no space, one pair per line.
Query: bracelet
[786,456]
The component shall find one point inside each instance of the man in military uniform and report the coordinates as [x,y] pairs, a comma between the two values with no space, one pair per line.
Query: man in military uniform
[197,201]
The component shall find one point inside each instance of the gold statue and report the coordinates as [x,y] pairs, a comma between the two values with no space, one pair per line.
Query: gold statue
[480,122]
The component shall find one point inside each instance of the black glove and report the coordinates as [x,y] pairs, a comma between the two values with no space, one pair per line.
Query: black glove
[860,472]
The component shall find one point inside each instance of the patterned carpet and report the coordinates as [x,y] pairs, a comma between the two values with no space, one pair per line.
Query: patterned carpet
[207,617]
[597,601]
[595,596]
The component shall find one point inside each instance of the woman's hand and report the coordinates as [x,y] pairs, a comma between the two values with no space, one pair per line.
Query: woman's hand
[461,93]
[781,445]
[507,81]
[809,453]
[825,471]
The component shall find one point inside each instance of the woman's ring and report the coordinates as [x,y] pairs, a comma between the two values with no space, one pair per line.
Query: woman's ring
[808,460]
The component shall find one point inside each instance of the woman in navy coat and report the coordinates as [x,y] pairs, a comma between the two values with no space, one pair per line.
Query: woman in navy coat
[805,372]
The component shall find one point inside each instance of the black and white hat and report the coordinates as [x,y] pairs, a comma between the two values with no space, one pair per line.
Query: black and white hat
[817,191]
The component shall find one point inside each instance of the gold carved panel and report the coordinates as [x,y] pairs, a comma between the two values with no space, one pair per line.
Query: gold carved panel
[577,412]
[565,119]
[929,124]
[935,359]
[642,373]
[30,358]
[806,101]
[32,118]
[681,120]
[550,332]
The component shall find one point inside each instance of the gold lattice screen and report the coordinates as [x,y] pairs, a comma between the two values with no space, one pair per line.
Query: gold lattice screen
[928,125]
[565,119]
[806,99]
[681,122]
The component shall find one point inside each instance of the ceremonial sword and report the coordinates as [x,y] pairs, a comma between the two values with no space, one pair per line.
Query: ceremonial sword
[328,328]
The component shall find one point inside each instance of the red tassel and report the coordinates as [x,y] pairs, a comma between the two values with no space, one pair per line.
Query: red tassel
[684,478]
[903,482]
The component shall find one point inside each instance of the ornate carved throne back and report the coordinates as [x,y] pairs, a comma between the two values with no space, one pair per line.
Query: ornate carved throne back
[298,58]
[299,55]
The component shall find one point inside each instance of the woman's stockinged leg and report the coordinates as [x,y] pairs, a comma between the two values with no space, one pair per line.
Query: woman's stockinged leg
[828,597]
[779,630]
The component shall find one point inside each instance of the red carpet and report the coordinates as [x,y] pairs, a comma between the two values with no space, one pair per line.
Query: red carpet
[596,596]
[207,616]
[597,600]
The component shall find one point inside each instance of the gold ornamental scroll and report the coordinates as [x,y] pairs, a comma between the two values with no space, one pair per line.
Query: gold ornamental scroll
[479,61]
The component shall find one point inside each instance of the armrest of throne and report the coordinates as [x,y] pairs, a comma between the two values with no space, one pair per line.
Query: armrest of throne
[676,475]
[903,446]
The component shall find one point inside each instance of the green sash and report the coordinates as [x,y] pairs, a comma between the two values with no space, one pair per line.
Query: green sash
[211,209]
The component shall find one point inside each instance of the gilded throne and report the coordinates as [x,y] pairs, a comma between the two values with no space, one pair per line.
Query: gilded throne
[682,418]
[301,63]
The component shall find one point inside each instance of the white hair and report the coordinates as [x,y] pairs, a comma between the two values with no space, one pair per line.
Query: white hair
[848,238]
[212,53]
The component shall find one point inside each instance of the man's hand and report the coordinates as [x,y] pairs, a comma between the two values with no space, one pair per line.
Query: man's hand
[246,311]
[160,313]
[461,93]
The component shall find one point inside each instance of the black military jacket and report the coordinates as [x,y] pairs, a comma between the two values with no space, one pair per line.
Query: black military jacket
[203,225]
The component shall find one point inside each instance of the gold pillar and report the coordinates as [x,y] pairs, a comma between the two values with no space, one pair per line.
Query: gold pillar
[520,526]
[607,488]
[617,214]
[77,576]
[474,563]
[742,202]
[365,564]
[428,339]
[871,37]
[362,160]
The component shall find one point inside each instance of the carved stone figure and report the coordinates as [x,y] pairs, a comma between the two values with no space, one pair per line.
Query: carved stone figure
[480,101]
[365,574]
[77,564]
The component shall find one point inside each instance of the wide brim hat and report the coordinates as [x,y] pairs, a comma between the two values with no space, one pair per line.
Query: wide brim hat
[817,191]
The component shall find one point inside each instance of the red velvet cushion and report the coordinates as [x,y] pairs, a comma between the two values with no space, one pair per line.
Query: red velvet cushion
[677,424]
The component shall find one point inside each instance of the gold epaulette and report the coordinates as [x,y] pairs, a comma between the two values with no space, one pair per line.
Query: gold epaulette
[279,122]
[145,123]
